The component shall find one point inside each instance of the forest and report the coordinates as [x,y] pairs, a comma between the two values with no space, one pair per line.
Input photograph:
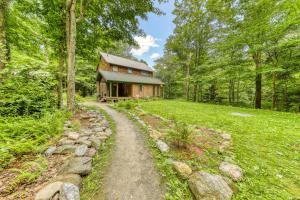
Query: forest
[241,53]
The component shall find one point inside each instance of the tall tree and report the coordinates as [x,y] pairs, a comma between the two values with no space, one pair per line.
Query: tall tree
[71,45]
[4,50]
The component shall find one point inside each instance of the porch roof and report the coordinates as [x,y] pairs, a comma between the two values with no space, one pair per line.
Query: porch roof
[129,78]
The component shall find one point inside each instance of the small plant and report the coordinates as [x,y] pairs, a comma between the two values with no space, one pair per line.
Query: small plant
[75,125]
[128,105]
[180,135]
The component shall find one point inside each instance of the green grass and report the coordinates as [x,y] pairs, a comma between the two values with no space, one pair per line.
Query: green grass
[93,183]
[266,145]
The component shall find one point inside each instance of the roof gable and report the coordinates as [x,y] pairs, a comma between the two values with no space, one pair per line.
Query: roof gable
[116,60]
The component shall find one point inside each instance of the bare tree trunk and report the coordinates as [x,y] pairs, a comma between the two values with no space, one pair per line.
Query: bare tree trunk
[60,79]
[273,91]
[4,50]
[229,92]
[195,91]
[286,98]
[258,80]
[238,91]
[71,45]
[232,92]
[201,93]
[187,82]
[274,97]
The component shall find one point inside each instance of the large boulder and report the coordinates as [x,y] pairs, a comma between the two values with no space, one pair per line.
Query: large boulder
[108,132]
[226,136]
[224,146]
[231,170]
[69,191]
[98,129]
[77,165]
[155,134]
[91,152]
[50,151]
[65,140]
[48,191]
[105,123]
[69,178]
[65,149]
[85,142]
[183,169]
[81,150]
[163,147]
[207,186]
[73,135]
[96,141]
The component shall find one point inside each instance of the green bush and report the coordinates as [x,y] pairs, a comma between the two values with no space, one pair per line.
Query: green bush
[26,93]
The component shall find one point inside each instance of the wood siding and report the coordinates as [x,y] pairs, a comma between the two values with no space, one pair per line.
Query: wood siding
[103,65]
[147,91]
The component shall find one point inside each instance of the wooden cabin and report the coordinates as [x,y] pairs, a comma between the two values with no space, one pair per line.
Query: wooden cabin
[122,78]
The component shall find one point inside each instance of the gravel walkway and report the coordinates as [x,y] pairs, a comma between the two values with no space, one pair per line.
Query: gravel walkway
[132,174]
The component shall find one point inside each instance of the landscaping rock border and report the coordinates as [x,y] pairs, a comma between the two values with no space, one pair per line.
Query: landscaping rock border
[202,184]
[81,147]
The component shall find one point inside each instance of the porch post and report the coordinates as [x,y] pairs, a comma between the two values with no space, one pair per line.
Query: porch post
[110,90]
[117,89]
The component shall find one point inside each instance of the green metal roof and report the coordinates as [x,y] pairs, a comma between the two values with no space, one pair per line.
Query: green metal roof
[129,78]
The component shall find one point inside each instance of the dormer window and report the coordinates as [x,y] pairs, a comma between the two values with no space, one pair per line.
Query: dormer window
[115,68]
[129,71]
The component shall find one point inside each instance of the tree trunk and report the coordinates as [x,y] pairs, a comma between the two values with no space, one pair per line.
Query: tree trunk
[4,50]
[238,91]
[232,92]
[229,92]
[71,45]
[60,79]
[286,98]
[273,91]
[187,80]
[258,80]
[195,92]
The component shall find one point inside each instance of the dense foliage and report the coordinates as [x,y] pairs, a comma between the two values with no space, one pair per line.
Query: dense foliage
[27,135]
[27,93]
[234,52]
[34,52]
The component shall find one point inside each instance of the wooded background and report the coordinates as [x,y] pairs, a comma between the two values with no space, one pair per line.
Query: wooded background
[244,53]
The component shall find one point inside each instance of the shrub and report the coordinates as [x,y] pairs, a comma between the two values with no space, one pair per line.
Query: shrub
[180,135]
[26,93]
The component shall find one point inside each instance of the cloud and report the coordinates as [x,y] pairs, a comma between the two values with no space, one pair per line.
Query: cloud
[154,56]
[145,43]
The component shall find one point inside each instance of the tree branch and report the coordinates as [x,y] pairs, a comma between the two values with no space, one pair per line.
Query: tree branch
[81,12]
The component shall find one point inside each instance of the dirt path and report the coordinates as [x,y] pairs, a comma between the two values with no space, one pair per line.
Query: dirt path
[132,174]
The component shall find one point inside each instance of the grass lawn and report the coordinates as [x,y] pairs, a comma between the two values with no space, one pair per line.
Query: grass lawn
[266,145]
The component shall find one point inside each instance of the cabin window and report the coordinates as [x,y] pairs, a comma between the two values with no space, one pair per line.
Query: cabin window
[144,73]
[141,88]
[129,71]
[115,68]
